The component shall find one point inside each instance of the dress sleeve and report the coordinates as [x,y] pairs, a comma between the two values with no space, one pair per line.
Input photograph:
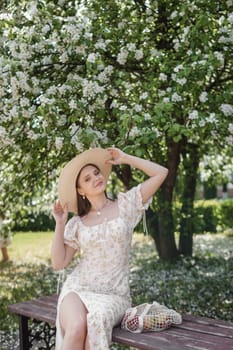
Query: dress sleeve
[71,233]
[131,205]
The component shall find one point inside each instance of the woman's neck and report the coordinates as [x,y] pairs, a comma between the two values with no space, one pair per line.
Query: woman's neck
[99,204]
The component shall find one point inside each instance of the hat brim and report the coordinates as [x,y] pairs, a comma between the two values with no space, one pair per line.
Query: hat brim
[66,184]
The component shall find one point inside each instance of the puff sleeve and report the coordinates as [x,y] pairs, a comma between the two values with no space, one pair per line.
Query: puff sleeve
[131,206]
[71,233]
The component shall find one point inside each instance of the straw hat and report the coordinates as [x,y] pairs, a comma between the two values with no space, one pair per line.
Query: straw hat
[66,183]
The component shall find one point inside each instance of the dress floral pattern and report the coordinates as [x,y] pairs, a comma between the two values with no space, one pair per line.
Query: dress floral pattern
[101,278]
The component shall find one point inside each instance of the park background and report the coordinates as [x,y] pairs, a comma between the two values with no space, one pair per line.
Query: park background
[153,78]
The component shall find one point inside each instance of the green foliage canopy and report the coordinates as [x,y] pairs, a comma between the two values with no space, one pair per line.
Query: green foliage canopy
[143,75]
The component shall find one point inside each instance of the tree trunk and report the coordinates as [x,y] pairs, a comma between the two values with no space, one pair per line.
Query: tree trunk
[167,245]
[191,163]
[163,227]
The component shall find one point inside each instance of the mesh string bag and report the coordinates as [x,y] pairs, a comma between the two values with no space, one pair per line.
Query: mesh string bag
[149,317]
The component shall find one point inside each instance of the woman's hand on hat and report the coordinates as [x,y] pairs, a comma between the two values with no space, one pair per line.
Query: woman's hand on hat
[60,213]
[117,156]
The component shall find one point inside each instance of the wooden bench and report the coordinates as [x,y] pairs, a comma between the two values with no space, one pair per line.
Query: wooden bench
[195,333]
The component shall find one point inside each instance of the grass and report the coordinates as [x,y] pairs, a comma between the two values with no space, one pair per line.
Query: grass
[201,285]
[32,247]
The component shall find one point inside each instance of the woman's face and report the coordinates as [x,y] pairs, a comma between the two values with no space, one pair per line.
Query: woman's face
[91,181]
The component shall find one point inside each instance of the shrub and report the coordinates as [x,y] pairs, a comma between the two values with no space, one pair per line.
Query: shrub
[205,217]
[225,214]
[34,221]
[209,216]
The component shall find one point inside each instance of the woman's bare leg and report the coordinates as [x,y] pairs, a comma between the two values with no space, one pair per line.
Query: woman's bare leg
[5,256]
[73,318]
[87,345]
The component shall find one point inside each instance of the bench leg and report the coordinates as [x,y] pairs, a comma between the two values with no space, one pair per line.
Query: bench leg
[23,333]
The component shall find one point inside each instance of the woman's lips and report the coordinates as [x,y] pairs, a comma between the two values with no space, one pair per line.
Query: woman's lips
[99,183]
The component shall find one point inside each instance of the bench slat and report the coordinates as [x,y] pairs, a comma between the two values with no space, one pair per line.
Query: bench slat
[145,341]
[206,329]
[194,339]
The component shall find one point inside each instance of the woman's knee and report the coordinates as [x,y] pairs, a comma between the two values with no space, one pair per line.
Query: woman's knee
[76,330]
[73,316]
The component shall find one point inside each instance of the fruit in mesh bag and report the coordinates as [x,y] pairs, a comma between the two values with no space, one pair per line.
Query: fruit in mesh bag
[133,324]
[156,321]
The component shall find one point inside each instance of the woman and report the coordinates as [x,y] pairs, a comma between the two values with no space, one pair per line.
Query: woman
[96,294]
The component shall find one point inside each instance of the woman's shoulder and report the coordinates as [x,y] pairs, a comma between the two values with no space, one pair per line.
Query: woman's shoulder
[73,220]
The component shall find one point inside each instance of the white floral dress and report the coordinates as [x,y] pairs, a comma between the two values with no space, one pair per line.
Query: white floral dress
[101,278]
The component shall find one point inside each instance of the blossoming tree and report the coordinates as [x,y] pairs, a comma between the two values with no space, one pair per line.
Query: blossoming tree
[151,77]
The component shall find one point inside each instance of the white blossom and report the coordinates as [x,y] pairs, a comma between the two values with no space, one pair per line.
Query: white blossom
[156,131]
[3,132]
[91,58]
[176,44]
[89,120]
[229,140]
[226,109]
[32,135]
[109,69]
[52,90]
[31,10]
[113,92]
[138,54]
[147,116]
[219,57]
[78,145]
[162,76]
[230,18]
[202,123]
[173,76]
[176,98]
[61,120]
[24,102]
[101,44]
[72,104]
[15,88]
[134,132]
[102,77]
[114,104]
[203,97]
[45,29]
[123,108]
[174,14]
[45,124]
[59,143]
[154,52]
[193,115]
[161,93]
[122,24]
[91,88]
[143,96]
[131,47]
[166,99]
[23,81]
[230,128]
[178,68]
[138,108]
[212,118]
[64,57]
[148,11]
[181,81]
[122,57]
